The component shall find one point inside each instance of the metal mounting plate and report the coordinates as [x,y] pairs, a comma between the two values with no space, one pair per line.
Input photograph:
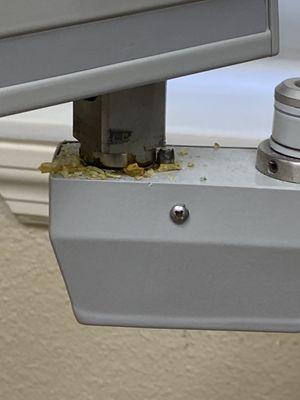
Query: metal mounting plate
[233,265]
[77,60]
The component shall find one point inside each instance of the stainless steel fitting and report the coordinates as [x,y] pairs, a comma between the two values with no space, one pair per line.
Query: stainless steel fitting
[279,157]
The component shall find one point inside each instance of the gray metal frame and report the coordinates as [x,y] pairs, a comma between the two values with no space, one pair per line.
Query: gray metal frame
[81,60]
[233,265]
[38,15]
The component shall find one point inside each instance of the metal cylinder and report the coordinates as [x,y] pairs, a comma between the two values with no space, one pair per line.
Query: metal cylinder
[279,156]
[286,126]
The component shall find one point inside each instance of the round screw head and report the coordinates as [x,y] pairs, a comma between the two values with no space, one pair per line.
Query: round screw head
[179,214]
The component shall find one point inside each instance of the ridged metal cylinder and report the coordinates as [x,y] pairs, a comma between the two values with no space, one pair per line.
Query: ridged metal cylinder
[279,156]
[286,126]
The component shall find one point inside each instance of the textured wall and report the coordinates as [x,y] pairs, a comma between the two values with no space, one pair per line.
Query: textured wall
[45,354]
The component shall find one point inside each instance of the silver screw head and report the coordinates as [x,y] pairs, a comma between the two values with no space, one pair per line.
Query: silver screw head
[179,214]
[166,155]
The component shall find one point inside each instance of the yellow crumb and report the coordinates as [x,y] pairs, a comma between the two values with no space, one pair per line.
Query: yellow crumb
[48,167]
[69,165]
[191,165]
[134,170]
[72,171]
[169,167]
[57,168]
[216,146]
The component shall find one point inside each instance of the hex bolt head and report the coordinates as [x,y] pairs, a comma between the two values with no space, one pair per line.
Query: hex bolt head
[166,155]
[179,214]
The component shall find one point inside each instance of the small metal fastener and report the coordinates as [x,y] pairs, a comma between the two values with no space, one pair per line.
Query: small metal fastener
[179,214]
[166,155]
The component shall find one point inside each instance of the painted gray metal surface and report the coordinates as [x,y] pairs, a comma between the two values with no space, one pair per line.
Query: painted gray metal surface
[71,62]
[101,43]
[17,17]
[233,265]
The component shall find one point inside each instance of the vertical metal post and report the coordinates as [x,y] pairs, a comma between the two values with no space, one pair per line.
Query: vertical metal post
[118,128]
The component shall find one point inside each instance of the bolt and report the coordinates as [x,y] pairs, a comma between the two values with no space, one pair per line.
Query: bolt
[179,214]
[166,155]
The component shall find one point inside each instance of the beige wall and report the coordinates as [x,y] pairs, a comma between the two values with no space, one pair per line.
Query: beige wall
[45,354]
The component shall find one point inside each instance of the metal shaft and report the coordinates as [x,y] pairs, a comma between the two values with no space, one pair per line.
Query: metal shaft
[118,128]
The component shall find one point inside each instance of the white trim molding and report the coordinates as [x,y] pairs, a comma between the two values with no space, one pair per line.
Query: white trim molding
[22,186]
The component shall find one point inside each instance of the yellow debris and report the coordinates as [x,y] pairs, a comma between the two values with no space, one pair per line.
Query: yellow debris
[169,167]
[69,171]
[74,168]
[216,146]
[69,165]
[134,170]
[49,167]
[66,163]
[191,165]
[57,168]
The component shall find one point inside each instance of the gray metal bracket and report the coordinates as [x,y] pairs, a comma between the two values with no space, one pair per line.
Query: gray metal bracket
[233,265]
[81,58]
